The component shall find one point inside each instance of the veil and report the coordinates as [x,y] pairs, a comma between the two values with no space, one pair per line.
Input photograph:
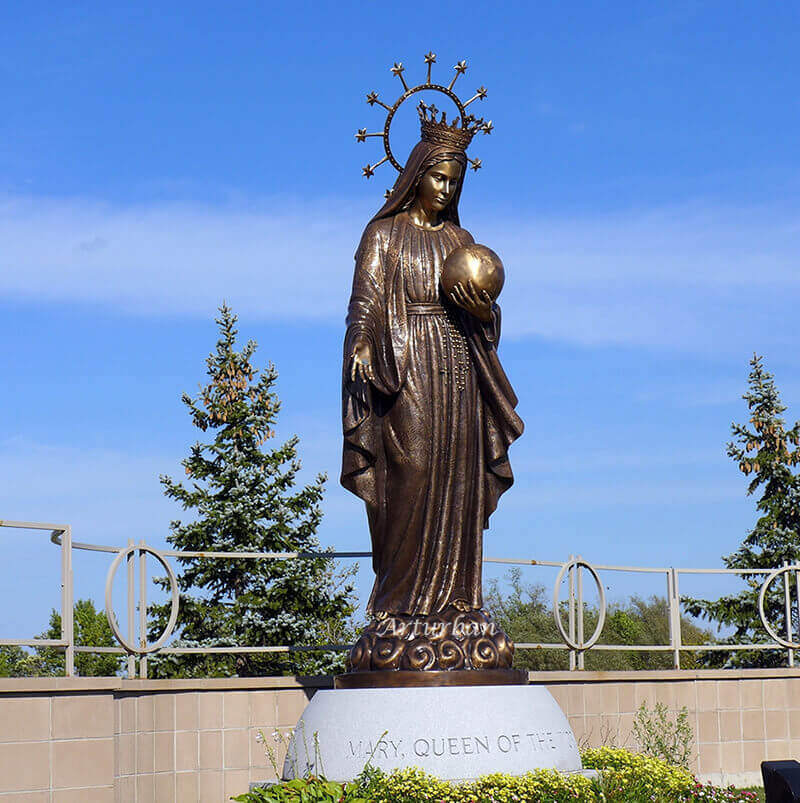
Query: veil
[424,156]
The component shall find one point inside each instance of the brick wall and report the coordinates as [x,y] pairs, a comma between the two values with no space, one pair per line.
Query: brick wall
[119,741]
[135,741]
[739,718]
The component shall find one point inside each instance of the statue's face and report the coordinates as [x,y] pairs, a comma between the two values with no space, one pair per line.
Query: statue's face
[438,186]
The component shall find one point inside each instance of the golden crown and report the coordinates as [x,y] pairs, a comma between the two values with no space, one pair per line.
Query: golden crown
[453,135]
[433,129]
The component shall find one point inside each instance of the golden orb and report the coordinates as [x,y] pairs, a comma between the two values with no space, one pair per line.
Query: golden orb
[475,262]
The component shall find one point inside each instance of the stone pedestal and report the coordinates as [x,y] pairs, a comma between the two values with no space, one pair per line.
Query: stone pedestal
[454,732]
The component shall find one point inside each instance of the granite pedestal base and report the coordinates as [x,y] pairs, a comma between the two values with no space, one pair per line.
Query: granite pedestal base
[454,732]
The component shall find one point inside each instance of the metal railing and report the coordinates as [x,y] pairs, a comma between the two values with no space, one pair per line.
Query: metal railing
[571,571]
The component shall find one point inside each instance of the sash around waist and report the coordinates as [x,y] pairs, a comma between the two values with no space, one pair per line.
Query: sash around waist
[425,309]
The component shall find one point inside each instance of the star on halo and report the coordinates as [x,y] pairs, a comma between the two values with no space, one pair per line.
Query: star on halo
[487,128]
[361,136]
[367,171]
[477,164]
[398,68]
[372,98]
[461,67]
[430,57]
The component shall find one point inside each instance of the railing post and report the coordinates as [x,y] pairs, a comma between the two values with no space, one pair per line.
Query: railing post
[571,583]
[581,657]
[787,601]
[131,611]
[797,588]
[142,609]
[67,603]
[674,616]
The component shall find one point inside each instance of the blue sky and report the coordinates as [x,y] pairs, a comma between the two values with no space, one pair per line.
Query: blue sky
[641,186]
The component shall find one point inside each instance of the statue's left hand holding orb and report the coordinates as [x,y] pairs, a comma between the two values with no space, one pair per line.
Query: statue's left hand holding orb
[476,302]
[361,361]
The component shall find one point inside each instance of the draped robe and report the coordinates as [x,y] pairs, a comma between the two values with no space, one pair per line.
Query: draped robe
[426,442]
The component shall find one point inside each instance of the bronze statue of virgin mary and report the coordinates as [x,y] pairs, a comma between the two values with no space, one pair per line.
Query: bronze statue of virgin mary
[428,418]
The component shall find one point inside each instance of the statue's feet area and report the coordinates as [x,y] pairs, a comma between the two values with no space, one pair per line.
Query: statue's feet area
[450,640]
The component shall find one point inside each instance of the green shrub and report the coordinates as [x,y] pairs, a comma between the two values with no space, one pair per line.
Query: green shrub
[413,785]
[626,778]
[633,777]
[661,736]
[305,790]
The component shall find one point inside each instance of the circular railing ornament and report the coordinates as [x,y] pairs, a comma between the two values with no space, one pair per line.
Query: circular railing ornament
[174,600]
[601,620]
[771,577]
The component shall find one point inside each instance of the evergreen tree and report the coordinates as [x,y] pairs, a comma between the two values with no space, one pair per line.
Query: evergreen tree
[243,499]
[766,452]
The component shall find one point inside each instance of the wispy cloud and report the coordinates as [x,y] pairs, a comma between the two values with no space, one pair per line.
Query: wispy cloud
[689,277]
[179,259]
[107,495]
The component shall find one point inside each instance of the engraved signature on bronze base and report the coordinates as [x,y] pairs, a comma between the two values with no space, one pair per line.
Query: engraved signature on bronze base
[451,640]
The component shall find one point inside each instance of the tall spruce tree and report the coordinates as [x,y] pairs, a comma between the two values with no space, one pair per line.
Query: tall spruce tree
[243,499]
[766,452]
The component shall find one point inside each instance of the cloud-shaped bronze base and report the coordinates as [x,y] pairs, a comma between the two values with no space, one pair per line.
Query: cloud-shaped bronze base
[448,641]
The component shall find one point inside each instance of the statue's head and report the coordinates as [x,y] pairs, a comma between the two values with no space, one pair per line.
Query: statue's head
[438,185]
[433,173]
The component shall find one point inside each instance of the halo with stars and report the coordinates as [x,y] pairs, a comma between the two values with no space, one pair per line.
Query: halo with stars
[397,69]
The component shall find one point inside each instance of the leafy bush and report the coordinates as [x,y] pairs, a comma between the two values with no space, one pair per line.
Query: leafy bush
[626,778]
[415,786]
[305,790]
[662,737]
[405,786]
[635,778]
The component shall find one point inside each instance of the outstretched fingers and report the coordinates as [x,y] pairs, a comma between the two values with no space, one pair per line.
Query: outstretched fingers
[361,370]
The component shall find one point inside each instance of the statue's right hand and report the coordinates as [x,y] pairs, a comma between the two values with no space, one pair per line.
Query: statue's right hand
[361,361]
